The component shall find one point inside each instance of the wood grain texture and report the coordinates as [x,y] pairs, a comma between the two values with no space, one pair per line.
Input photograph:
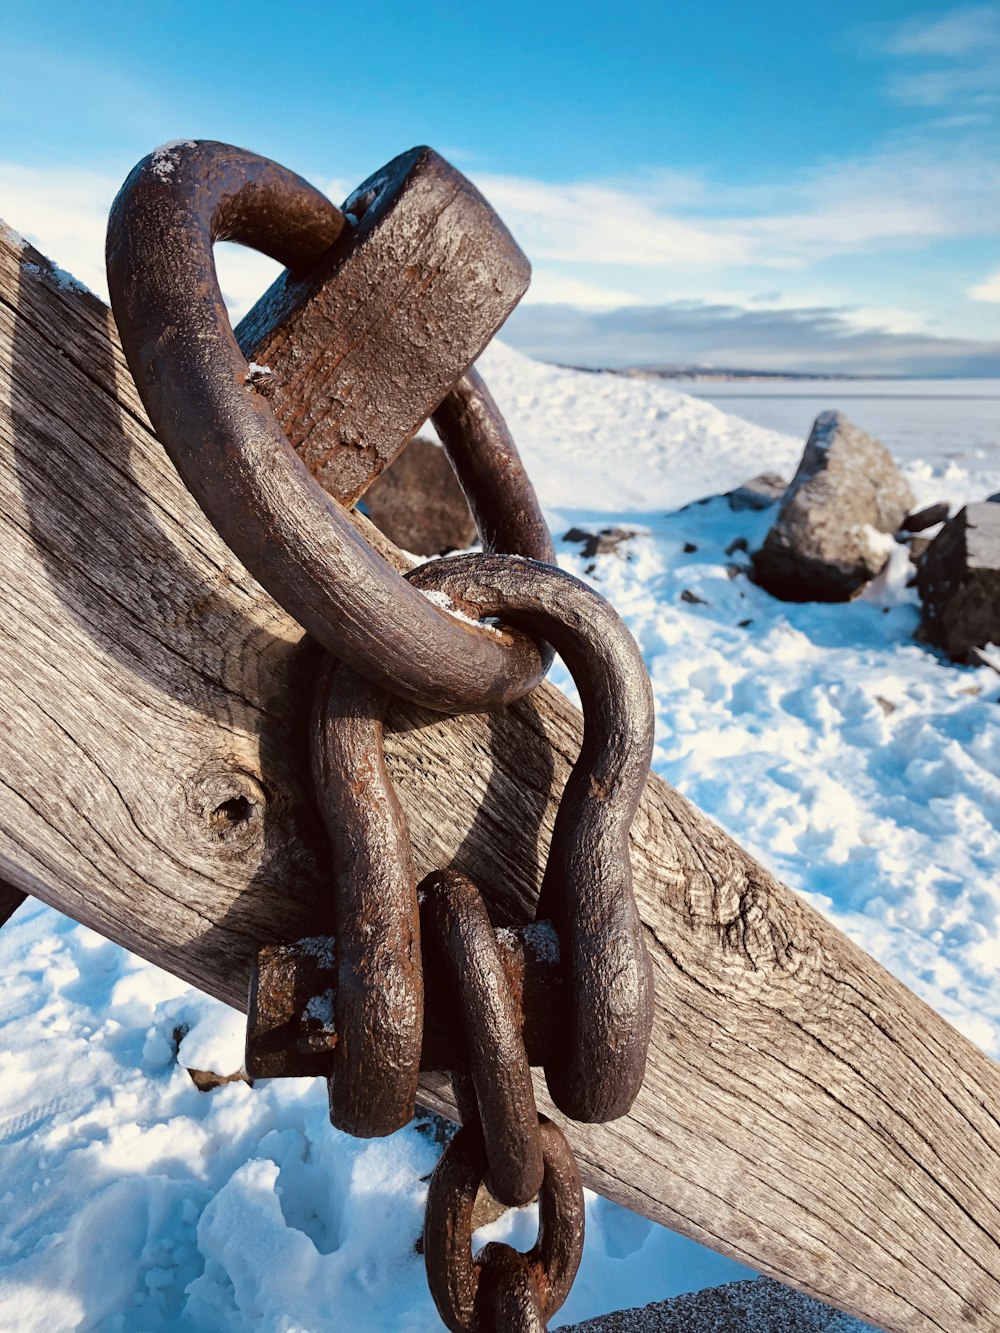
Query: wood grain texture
[802,1112]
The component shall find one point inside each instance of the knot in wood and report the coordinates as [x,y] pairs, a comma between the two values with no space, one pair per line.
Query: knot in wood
[228,803]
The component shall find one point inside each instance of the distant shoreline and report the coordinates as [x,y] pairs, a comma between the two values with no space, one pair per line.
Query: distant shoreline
[713,375]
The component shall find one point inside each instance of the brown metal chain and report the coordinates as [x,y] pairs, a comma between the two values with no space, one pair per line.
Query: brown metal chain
[352,1005]
[502,1289]
[595,1073]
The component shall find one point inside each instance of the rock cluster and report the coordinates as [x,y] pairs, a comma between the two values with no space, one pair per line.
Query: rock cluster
[836,525]
[958,577]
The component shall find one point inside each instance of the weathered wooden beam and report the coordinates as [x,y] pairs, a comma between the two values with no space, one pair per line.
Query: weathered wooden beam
[803,1111]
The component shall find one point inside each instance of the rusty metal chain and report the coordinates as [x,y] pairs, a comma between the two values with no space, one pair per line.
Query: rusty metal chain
[571,991]
[497,1091]
[502,1289]
[595,1073]
[595,1070]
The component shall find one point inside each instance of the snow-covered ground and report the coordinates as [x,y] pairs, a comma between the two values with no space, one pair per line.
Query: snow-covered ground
[854,762]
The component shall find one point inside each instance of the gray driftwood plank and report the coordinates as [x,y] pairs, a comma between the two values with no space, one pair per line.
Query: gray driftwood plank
[803,1111]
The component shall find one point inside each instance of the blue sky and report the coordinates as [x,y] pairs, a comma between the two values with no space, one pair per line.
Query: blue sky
[781,185]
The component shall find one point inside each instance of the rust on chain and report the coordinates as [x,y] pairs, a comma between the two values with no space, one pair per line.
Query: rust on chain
[597,1072]
[378,998]
[368,342]
[378,1004]
[487,464]
[393,298]
[291,1023]
[222,433]
[507,1298]
[459,941]
[469,1292]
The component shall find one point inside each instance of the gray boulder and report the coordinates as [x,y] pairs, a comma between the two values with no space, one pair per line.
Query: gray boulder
[418,503]
[824,544]
[958,578]
[761,1306]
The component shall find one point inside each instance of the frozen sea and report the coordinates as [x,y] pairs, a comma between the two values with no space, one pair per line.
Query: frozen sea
[857,764]
[948,419]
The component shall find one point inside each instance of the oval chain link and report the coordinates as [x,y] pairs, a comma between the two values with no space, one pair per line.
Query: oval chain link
[459,937]
[466,1302]
[228,446]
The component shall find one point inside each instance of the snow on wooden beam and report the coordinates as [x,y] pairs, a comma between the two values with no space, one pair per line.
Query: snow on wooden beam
[803,1111]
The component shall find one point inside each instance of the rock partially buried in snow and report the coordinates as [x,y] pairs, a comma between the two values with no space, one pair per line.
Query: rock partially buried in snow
[928,517]
[762,1306]
[830,535]
[759,492]
[605,542]
[419,504]
[958,578]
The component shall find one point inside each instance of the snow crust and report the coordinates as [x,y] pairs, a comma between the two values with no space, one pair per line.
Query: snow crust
[855,763]
[164,159]
[441,600]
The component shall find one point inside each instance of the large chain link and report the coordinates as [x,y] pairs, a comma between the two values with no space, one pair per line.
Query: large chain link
[227,444]
[393,636]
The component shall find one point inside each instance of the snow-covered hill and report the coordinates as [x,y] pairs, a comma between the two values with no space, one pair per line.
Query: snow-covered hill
[616,445]
[855,763]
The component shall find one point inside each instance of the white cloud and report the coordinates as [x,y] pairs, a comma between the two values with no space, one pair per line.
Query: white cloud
[905,197]
[244,275]
[62,213]
[658,237]
[964,31]
[988,290]
[598,222]
[950,60]
[974,86]
[883,319]
[555,288]
[683,333]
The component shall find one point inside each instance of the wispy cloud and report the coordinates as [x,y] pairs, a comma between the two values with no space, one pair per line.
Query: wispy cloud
[601,222]
[906,196]
[686,333]
[946,61]
[962,32]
